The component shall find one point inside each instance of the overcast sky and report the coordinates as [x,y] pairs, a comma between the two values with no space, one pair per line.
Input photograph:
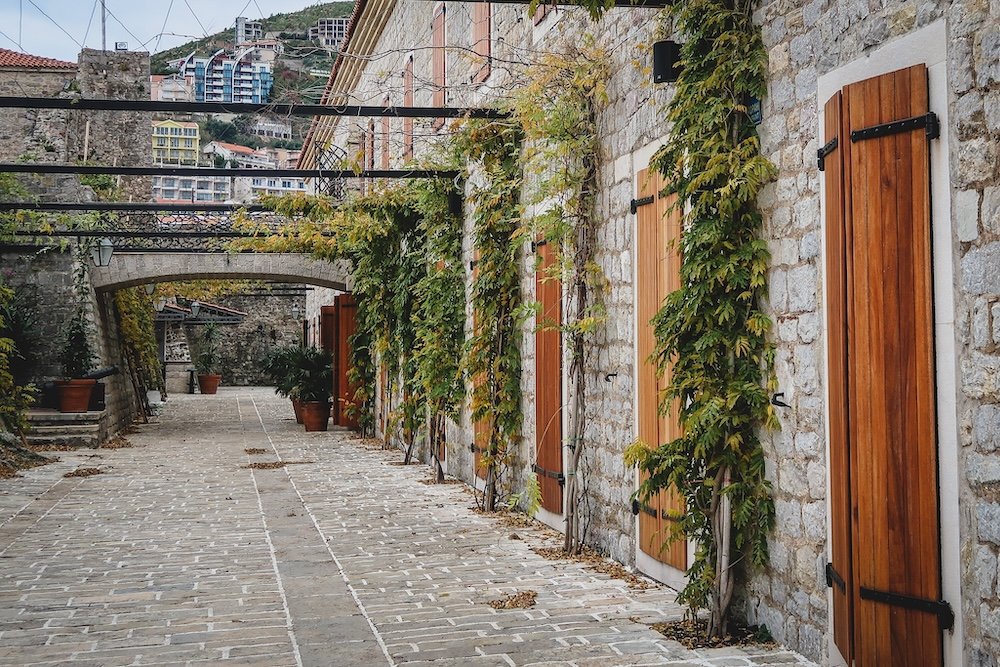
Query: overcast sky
[72,23]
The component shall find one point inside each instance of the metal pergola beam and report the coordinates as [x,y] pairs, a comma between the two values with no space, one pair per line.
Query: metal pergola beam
[119,234]
[164,170]
[83,104]
[6,207]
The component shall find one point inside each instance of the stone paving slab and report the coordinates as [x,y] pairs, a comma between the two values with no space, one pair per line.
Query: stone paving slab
[181,554]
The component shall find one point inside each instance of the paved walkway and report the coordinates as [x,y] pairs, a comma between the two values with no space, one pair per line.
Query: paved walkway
[179,553]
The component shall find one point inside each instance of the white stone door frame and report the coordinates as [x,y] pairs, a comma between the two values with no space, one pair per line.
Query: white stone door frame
[927,45]
[628,166]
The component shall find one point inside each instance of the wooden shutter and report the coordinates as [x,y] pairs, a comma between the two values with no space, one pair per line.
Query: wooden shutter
[344,388]
[883,427]
[548,382]
[408,102]
[658,274]
[840,569]
[439,74]
[482,44]
[481,428]
[385,137]
[370,150]
[328,328]
[541,12]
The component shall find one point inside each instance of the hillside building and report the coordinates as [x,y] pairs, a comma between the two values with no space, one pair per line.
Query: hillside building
[171,88]
[176,142]
[329,32]
[228,76]
[247,30]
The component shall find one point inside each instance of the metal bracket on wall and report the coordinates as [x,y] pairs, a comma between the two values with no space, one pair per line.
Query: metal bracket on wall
[642,201]
[551,474]
[821,154]
[928,121]
[940,608]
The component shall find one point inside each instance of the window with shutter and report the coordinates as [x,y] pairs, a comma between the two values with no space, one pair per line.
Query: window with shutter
[885,568]
[385,137]
[658,228]
[408,102]
[482,39]
[439,74]
[548,381]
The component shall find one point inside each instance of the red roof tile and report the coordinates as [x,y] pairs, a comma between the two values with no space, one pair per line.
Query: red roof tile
[10,58]
[236,148]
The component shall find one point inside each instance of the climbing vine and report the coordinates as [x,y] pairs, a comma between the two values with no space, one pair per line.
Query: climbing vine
[493,357]
[558,111]
[138,337]
[404,244]
[713,332]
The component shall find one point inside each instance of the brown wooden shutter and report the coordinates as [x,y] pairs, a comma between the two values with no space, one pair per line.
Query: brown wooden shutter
[439,62]
[370,151]
[541,12]
[883,425]
[482,45]
[408,102]
[840,569]
[481,428]
[385,137]
[658,274]
[548,381]
[344,389]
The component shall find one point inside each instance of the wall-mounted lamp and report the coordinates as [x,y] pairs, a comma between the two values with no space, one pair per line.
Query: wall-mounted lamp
[150,288]
[100,254]
[160,304]
[296,311]
[195,308]
[666,61]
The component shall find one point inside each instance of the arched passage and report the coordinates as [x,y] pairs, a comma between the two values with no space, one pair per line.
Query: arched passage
[131,269]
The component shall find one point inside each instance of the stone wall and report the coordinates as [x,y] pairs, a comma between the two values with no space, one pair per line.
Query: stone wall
[268,324]
[806,39]
[36,133]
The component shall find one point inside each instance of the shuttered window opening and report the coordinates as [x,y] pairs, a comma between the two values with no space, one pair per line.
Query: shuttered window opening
[884,568]
[482,39]
[408,102]
[343,388]
[385,136]
[439,72]
[658,273]
[548,380]
[481,427]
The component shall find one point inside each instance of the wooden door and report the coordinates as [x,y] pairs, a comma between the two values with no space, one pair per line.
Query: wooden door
[480,428]
[658,230]
[344,389]
[548,381]
[328,328]
[885,555]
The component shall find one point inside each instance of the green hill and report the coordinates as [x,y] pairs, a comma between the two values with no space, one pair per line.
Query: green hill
[293,23]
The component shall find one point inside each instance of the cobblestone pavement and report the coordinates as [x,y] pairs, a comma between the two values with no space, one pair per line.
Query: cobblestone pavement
[180,554]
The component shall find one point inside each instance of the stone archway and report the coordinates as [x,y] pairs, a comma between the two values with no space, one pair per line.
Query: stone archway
[131,269]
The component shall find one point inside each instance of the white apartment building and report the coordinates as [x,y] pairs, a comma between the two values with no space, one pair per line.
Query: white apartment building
[329,32]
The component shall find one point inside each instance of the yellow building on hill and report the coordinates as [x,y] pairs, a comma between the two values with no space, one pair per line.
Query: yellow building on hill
[176,142]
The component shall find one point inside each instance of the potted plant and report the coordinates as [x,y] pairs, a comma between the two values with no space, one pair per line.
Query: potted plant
[77,358]
[281,367]
[207,361]
[313,387]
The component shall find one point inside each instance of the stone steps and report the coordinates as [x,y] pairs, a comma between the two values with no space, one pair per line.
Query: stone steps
[49,428]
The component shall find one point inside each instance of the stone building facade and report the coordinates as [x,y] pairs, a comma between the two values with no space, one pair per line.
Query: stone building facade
[815,48]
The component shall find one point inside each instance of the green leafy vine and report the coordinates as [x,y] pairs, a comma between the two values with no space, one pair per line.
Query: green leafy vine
[713,331]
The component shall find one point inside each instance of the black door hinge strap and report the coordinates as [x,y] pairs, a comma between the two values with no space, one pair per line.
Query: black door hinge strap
[642,201]
[821,154]
[940,608]
[832,577]
[552,474]
[928,121]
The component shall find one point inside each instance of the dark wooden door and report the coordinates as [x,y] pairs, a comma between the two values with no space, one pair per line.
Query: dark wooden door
[344,388]
[548,381]
[885,561]
[657,274]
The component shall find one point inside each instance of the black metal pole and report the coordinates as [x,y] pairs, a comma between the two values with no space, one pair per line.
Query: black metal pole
[83,104]
[166,170]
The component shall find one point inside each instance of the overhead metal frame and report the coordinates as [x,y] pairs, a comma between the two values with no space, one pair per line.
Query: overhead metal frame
[198,172]
[635,4]
[85,104]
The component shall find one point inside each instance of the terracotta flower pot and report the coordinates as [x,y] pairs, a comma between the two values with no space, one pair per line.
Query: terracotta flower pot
[74,395]
[297,406]
[209,384]
[315,415]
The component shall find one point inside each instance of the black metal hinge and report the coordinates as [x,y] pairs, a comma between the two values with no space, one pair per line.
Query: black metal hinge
[928,121]
[821,154]
[558,476]
[832,576]
[643,507]
[535,245]
[472,265]
[940,608]
[636,203]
